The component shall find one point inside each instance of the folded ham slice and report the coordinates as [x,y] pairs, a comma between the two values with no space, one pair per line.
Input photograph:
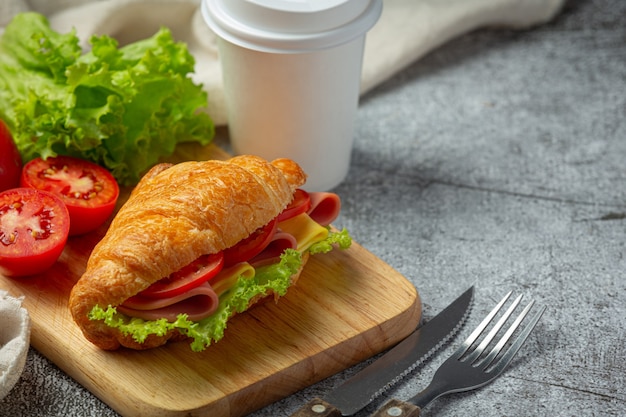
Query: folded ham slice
[197,303]
[325,207]
[271,254]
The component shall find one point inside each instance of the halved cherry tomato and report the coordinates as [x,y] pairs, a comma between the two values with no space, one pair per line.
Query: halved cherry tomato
[199,271]
[88,190]
[34,226]
[10,160]
[252,245]
[301,203]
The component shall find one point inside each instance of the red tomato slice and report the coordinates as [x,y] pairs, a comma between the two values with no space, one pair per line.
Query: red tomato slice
[88,190]
[34,226]
[10,160]
[301,203]
[199,271]
[252,245]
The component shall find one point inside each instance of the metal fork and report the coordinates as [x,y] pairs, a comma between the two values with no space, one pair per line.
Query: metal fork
[464,371]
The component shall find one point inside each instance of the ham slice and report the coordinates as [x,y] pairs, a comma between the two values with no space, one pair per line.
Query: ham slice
[325,207]
[271,254]
[197,303]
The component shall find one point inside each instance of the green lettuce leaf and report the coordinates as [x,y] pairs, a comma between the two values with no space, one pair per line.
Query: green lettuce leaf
[342,239]
[211,329]
[123,108]
[275,277]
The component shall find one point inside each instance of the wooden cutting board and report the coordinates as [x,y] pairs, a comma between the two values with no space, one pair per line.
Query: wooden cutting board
[347,306]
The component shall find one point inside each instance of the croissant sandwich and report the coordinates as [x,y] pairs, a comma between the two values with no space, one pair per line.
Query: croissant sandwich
[195,244]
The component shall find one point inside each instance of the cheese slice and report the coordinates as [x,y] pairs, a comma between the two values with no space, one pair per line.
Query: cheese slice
[227,277]
[305,230]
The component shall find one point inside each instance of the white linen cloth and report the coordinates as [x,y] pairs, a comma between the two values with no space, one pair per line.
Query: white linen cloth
[14,341]
[406,31]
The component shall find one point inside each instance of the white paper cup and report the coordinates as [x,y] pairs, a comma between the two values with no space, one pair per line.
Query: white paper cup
[292,71]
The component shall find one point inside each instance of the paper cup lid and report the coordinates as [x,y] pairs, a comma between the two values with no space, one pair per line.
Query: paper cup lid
[290,26]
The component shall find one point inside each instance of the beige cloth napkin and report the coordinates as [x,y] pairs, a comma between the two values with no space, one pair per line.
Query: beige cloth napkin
[407,29]
[14,341]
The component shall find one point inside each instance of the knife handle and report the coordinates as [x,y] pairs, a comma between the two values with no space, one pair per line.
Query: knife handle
[317,408]
[397,408]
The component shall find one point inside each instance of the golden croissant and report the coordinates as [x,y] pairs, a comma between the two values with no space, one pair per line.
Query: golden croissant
[141,286]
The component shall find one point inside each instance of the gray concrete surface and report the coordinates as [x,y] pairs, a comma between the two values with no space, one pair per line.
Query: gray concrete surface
[499,160]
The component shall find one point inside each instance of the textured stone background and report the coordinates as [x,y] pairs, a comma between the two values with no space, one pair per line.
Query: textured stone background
[497,161]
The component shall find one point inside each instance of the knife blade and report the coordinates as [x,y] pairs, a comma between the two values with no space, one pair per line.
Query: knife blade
[373,381]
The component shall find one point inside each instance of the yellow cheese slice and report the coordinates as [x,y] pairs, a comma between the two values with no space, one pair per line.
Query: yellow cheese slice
[305,230]
[227,277]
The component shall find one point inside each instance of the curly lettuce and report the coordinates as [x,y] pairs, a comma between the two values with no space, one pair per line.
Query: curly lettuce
[342,239]
[122,107]
[275,278]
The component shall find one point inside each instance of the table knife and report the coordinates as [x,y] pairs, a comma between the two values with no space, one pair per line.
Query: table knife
[373,381]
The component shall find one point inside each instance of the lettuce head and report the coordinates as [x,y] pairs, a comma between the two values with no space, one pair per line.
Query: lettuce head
[121,107]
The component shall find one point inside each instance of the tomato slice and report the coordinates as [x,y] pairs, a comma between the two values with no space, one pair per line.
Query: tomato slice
[10,160]
[260,238]
[252,245]
[199,271]
[34,226]
[301,203]
[88,190]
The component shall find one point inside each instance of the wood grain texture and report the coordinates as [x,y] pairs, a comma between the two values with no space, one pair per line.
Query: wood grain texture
[347,306]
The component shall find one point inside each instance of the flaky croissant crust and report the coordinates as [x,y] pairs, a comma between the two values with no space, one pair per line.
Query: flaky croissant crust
[174,215]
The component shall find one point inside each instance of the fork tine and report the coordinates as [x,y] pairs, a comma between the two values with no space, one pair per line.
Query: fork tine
[507,335]
[494,331]
[506,359]
[481,327]
[457,375]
